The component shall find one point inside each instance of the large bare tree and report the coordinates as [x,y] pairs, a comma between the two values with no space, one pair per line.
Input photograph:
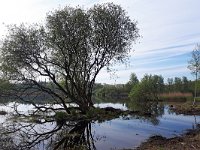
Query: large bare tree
[68,51]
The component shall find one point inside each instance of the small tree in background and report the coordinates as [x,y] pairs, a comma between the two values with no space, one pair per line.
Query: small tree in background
[194,66]
[133,81]
[148,88]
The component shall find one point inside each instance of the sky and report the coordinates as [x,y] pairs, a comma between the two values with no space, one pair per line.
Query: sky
[169,31]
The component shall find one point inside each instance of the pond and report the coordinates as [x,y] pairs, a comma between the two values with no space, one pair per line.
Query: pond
[125,132]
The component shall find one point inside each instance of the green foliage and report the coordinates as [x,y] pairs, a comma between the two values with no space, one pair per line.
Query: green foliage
[185,84]
[112,91]
[132,82]
[177,83]
[118,91]
[60,116]
[153,108]
[5,85]
[69,50]
[94,112]
[194,62]
[153,88]
[102,114]
[182,85]
[148,89]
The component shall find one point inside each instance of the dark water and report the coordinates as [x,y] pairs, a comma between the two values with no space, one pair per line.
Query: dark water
[123,132]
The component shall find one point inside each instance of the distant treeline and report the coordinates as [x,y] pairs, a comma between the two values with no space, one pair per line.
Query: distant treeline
[25,92]
[150,87]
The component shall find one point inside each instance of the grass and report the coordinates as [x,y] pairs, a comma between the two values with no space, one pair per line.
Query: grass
[176,97]
[186,108]
[197,99]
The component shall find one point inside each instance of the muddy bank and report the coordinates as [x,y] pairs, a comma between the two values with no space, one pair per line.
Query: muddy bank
[188,141]
[186,109]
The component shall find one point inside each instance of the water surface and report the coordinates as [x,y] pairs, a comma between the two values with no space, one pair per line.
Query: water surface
[123,132]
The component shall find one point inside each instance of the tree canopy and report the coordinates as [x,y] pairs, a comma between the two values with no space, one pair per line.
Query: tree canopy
[68,51]
[132,82]
[148,89]
[194,62]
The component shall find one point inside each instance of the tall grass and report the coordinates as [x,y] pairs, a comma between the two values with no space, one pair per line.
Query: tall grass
[176,96]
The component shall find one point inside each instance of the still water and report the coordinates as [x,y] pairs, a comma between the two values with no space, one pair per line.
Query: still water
[125,132]
[131,131]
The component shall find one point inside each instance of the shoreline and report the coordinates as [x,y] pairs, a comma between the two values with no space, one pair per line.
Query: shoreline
[187,141]
[186,109]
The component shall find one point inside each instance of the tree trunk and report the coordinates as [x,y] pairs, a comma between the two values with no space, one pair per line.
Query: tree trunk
[195,90]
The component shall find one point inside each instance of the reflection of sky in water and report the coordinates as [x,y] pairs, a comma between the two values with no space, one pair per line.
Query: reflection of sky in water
[120,133]
[116,105]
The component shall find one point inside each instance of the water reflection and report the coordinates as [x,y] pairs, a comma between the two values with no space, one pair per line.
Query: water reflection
[78,137]
[71,135]
[124,132]
[153,110]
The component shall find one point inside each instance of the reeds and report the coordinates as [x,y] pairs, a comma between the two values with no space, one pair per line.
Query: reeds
[175,96]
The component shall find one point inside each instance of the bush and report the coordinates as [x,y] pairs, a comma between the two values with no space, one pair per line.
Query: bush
[148,89]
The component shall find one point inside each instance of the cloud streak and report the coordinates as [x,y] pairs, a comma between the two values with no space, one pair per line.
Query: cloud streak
[169,29]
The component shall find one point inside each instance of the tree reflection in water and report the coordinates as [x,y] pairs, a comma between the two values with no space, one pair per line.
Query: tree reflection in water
[153,108]
[79,137]
[49,135]
[70,135]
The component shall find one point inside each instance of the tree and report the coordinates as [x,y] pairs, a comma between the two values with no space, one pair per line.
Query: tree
[132,82]
[170,82]
[158,82]
[194,66]
[185,84]
[68,51]
[148,89]
[177,84]
[133,79]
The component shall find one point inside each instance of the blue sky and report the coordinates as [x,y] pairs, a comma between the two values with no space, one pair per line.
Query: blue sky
[170,30]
